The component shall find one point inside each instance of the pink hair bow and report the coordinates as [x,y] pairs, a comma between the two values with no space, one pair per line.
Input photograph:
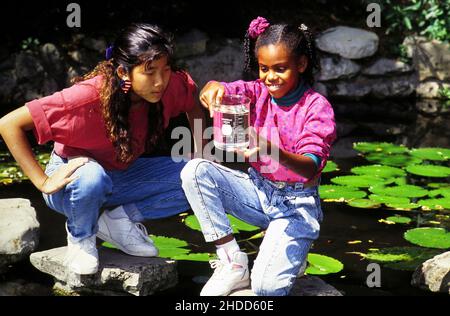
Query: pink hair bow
[257,27]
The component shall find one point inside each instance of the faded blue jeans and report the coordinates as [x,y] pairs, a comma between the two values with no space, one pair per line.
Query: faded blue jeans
[290,216]
[150,188]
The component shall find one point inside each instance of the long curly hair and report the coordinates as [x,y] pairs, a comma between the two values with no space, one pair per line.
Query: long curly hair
[137,44]
[299,40]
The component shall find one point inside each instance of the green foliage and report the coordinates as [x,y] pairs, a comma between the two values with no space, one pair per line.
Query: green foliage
[321,265]
[429,237]
[429,18]
[29,43]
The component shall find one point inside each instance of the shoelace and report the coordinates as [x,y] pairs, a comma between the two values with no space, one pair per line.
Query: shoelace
[143,231]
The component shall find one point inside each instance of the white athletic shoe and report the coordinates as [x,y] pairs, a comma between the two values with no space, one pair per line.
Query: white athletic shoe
[81,256]
[132,238]
[228,275]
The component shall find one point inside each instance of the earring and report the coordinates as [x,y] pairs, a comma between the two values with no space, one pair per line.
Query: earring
[125,85]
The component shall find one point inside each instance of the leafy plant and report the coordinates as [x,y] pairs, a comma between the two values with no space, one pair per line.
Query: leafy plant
[29,43]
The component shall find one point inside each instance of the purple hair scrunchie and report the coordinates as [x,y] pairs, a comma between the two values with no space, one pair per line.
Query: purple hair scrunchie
[257,27]
[109,52]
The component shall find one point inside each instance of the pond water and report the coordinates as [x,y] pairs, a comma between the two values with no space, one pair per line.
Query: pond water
[341,225]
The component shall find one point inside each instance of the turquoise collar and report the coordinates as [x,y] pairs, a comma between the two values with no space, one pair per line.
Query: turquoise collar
[292,97]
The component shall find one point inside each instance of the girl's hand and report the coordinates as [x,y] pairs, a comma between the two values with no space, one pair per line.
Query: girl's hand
[212,94]
[262,147]
[62,176]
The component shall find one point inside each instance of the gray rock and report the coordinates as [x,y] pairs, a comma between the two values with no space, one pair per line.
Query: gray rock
[28,67]
[384,66]
[337,68]
[118,274]
[321,88]
[304,286]
[434,274]
[52,59]
[23,288]
[393,87]
[225,65]
[430,57]
[348,42]
[431,106]
[98,45]
[351,90]
[19,230]
[430,89]
[191,44]
[8,83]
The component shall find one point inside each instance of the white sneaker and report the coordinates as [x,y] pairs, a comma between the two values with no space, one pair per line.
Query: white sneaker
[81,256]
[228,275]
[302,270]
[132,238]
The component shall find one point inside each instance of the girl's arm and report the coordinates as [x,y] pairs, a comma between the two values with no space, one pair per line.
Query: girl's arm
[13,127]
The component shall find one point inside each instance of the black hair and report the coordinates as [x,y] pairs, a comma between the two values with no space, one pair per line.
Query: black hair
[298,40]
[137,44]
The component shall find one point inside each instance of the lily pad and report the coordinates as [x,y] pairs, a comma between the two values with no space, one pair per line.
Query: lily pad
[236,224]
[379,171]
[445,192]
[399,219]
[436,185]
[363,203]
[393,160]
[429,171]
[330,167]
[387,148]
[435,204]
[401,258]
[388,199]
[409,191]
[340,193]
[429,237]
[402,206]
[203,257]
[437,154]
[358,181]
[322,265]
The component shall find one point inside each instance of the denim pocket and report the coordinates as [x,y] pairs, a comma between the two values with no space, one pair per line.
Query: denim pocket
[308,203]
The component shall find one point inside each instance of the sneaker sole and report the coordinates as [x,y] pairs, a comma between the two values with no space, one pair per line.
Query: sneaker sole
[237,286]
[107,239]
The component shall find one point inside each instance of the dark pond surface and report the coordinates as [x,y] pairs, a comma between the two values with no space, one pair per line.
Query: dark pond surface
[341,225]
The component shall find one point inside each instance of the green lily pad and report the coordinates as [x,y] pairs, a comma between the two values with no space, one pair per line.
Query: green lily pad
[237,225]
[379,171]
[429,171]
[437,154]
[322,265]
[168,242]
[330,167]
[392,160]
[363,203]
[400,181]
[445,192]
[409,191]
[388,199]
[402,206]
[401,258]
[435,185]
[340,193]
[399,219]
[203,257]
[429,237]
[435,204]
[387,148]
[358,181]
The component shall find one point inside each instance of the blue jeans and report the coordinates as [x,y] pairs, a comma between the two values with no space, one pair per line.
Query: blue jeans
[150,188]
[290,216]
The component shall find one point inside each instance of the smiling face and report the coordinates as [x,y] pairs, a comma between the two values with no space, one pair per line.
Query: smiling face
[150,80]
[279,69]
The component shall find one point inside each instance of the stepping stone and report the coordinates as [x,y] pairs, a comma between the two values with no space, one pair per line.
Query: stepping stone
[304,286]
[118,274]
[19,231]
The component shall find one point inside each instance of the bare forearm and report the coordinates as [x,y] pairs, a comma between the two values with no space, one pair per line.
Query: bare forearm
[197,123]
[13,132]
[300,164]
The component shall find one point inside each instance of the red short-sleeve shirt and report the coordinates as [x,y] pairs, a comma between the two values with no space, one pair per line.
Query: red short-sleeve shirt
[72,119]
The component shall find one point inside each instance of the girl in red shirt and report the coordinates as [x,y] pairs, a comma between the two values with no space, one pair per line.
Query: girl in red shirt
[100,127]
